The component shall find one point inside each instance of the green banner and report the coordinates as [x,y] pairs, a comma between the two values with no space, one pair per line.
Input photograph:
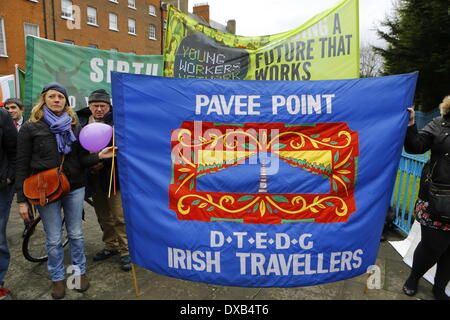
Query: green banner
[81,70]
[325,47]
[21,83]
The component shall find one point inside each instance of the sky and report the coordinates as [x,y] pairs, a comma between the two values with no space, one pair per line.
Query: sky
[265,17]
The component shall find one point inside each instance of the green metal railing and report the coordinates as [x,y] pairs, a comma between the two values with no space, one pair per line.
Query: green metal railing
[406,189]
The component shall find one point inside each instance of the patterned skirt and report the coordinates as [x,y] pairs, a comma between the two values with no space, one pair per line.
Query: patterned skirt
[424,218]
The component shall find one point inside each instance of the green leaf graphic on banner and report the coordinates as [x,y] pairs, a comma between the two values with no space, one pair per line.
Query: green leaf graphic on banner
[335,187]
[336,156]
[245,198]
[280,198]
[279,146]
[249,146]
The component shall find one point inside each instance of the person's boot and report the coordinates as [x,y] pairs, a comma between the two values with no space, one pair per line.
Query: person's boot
[84,283]
[58,289]
[410,286]
[439,293]
[104,254]
[125,263]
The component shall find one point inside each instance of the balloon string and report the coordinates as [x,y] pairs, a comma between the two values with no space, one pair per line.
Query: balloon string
[112,167]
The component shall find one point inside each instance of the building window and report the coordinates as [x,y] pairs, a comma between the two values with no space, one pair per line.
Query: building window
[132,26]
[30,30]
[93,46]
[152,32]
[132,4]
[113,25]
[152,10]
[92,16]
[2,39]
[69,42]
[66,9]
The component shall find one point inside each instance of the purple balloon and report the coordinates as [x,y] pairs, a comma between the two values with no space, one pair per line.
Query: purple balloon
[95,136]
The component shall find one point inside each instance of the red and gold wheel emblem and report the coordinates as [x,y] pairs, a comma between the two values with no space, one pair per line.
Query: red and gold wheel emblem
[328,150]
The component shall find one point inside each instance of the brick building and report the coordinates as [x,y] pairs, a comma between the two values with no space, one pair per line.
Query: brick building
[201,13]
[131,26]
[124,25]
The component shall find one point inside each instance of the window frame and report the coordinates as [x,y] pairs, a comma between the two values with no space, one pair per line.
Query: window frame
[133,33]
[29,34]
[87,15]
[3,38]
[117,21]
[150,27]
[134,4]
[64,14]
[150,12]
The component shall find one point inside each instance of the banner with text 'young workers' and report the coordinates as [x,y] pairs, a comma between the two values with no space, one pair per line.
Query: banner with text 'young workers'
[258,183]
[326,47]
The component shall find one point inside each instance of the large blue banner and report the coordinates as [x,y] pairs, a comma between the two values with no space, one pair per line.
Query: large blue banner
[258,183]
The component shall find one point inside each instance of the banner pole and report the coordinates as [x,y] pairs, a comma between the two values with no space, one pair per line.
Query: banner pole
[136,284]
[16,81]
[112,176]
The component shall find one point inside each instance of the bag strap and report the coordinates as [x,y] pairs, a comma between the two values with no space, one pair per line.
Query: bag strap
[62,162]
[430,173]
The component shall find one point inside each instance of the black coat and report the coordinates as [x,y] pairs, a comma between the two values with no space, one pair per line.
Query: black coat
[104,174]
[435,137]
[37,151]
[8,138]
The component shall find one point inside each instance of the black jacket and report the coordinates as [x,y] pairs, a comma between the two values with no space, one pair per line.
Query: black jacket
[435,137]
[37,151]
[8,138]
[104,174]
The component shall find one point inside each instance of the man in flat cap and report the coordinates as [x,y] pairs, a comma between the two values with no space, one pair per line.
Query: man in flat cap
[108,209]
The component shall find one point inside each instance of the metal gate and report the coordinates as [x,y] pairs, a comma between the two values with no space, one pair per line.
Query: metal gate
[406,189]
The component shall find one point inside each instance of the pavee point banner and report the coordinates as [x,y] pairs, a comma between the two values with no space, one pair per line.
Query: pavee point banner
[324,48]
[258,183]
[81,70]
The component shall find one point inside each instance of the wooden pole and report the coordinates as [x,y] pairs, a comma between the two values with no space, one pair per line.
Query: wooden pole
[112,164]
[136,284]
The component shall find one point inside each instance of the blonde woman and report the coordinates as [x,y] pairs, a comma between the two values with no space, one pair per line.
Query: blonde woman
[51,132]
[434,246]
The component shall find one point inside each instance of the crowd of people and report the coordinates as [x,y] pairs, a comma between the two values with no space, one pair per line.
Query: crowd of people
[50,139]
